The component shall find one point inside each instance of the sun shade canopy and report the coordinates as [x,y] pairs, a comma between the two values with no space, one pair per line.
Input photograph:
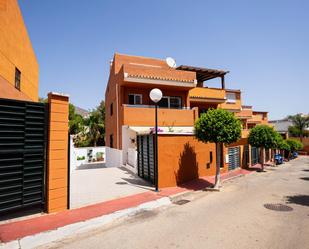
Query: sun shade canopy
[203,74]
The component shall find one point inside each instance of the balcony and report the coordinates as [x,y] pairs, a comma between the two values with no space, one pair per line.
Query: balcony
[139,115]
[244,114]
[209,95]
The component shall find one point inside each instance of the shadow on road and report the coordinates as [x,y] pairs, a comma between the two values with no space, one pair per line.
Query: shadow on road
[298,199]
[305,178]
[306,170]
[91,166]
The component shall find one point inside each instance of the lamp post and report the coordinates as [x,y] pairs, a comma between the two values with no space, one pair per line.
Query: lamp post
[156,95]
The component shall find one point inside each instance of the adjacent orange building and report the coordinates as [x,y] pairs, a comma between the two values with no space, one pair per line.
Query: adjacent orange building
[130,119]
[19,70]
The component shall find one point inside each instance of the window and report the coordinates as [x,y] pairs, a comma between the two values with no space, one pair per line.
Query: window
[135,99]
[170,102]
[175,102]
[231,97]
[17,78]
[111,141]
[111,109]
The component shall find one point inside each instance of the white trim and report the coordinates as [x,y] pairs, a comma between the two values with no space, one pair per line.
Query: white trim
[164,130]
[144,65]
[157,82]
[60,94]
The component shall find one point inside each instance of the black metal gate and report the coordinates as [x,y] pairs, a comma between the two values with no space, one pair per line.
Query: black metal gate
[23,136]
[246,156]
[234,157]
[254,155]
[145,157]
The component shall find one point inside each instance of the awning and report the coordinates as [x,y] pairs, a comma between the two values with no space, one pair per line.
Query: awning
[163,129]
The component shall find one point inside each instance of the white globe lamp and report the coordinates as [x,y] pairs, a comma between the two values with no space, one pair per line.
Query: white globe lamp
[155,95]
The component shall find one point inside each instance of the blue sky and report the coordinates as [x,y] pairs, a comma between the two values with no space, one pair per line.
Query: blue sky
[264,44]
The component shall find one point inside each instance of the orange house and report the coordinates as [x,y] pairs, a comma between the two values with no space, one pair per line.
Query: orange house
[130,119]
[19,70]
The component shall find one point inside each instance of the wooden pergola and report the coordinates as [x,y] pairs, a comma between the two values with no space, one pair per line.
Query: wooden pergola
[203,74]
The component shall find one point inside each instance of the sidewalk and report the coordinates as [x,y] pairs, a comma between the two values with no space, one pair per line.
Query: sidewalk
[20,229]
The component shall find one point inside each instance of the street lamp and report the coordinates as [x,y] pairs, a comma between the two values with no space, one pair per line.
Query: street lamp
[156,95]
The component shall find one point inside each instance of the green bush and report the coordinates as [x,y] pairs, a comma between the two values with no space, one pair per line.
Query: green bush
[283,145]
[294,144]
[79,158]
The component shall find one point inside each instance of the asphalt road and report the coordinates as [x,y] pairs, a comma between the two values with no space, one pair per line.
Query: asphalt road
[233,218]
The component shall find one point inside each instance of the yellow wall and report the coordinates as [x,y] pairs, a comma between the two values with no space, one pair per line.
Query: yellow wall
[16,49]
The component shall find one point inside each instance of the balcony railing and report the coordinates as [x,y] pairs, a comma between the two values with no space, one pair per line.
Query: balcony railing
[204,94]
[139,115]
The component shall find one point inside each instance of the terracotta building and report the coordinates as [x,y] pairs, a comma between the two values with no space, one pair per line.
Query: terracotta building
[186,94]
[19,70]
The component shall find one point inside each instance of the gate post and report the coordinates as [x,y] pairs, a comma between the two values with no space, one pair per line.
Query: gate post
[57,154]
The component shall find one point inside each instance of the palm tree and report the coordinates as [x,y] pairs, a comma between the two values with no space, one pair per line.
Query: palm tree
[300,123]
[95,127]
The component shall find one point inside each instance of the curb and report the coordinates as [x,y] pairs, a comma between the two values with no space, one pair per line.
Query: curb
[81,227]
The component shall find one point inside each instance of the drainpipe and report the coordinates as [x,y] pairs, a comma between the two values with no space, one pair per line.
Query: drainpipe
[117,116]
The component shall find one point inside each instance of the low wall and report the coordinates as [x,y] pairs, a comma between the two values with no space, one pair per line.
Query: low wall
[89,153]
[182,158]
[113,157]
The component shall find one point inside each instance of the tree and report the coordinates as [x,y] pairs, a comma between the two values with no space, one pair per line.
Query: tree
[96,125]
[284,146]
[220,127]
[264,137]
[76,121]
[300,123]
[294,144]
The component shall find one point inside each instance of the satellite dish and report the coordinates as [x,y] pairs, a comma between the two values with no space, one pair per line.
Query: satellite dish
[170,62]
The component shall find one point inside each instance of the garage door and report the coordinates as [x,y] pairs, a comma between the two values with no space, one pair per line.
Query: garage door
[234,157]
[145,157]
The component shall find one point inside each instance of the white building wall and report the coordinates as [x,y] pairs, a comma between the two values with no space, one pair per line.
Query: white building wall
[113,157]
[84,152]
[129,153]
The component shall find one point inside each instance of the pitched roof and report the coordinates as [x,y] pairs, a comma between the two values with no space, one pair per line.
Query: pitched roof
[158,73]
[281,125]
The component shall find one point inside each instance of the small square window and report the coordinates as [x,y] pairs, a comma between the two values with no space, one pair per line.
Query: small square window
[111,109]
[17,78]
[231,97]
